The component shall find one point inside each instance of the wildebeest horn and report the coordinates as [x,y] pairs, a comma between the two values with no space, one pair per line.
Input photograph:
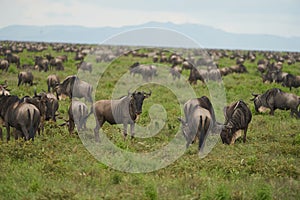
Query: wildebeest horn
[129,93]
[148,94]
[254,96]
[35,94]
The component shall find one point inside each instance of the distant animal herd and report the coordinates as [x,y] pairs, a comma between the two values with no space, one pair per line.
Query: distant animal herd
[28,114]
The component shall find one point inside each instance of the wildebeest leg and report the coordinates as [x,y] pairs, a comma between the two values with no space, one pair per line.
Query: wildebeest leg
[295,112]
[1,136]
[99,124]
[272,110]
[188,143]
[7,132]
[125,130]
[201,135]
[25,132]
[245,134]
[71,126]
[132,130]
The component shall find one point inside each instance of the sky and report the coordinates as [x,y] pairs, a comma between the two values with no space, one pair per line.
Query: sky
[272,17]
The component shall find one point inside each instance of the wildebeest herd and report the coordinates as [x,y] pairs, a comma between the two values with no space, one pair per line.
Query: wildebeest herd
[27,115]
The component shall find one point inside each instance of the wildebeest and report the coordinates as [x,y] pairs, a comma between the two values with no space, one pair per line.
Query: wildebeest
[4,64]
[238,68]
[73,87]
[13,58]
[24,117]
[198,120]
[122,111]
[85,66]
[291,81]
[52,81]
[57,63]
[197,74]
[274,99]
[237,117]
[187,65]
[41,63]
[147,71]
[51,105]
[39,101]
[25,77]
[3,91]
[175,72]
[78,112]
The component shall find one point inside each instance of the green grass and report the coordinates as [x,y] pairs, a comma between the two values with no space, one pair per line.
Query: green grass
[58,166]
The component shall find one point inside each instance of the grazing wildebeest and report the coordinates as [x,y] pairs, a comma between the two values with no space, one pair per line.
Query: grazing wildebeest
[122,111]
[57,63]
[175,72]
[78,113]
[52,81]
[237,117]
[147,71]
[85,66]
[274,99]
[50,105]
[13,58]
[238,68]
[25,77]
[4,64]
[199,121]
[291,81]
[73,87]
[42,63]
[24,117]
[225,71]
[197,74]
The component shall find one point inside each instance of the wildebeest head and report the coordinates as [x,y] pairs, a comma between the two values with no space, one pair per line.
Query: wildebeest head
[226,134]
[257,101]
[137,100]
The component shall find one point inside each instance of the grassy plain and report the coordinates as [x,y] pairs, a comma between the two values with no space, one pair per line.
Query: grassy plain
[58,166]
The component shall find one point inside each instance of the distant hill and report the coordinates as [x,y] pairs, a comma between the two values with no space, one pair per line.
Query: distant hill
[206,36]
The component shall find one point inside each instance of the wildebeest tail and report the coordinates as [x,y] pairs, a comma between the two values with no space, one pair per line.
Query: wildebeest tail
[81,115]
[31,128]
[90,90]
[91,112]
